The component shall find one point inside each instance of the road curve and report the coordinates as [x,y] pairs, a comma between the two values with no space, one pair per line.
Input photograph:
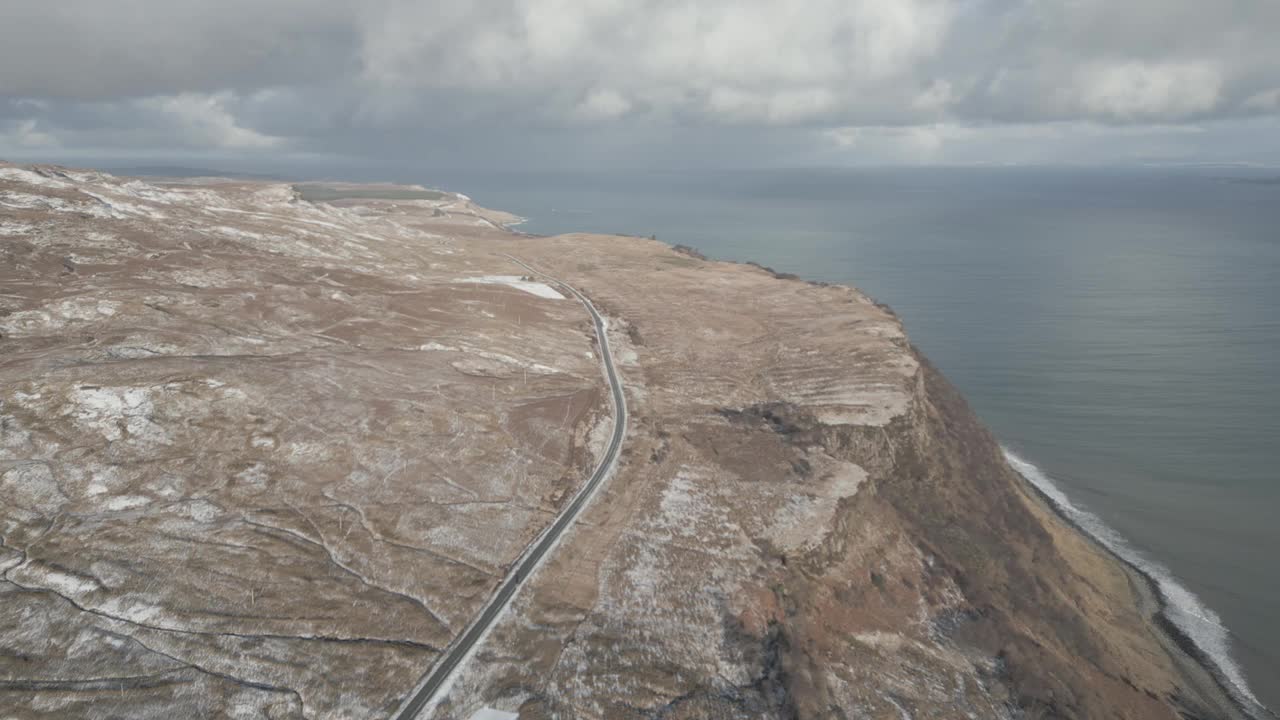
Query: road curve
[524,567]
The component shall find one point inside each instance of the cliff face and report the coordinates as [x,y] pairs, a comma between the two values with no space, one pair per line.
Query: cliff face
[812,523]
[267,458]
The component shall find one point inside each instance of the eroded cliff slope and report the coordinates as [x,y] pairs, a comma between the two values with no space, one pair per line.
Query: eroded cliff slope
[811,523]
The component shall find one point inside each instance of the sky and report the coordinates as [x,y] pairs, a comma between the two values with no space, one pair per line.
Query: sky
[536,84]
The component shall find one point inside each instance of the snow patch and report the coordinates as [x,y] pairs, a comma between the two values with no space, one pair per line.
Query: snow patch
[495,357]
[208,278]
[126,502]
[203,511]
[121,209]
[797,522]
[117,412]
[238,233]
[139,347]
[63,583]
[881,640]
[154,194]
[532,287]
[255,475]
[30,177]
[32,486]
[89,176]
[26,201]
[9,229]
[103,481]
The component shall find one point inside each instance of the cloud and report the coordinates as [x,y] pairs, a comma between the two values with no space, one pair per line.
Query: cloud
[26,135]
[204,120]
[708,60]
[92,50]
[730,104]
[1264,101]
[1246,141]
[912,144]
[1131,90]
[374,78]
[603,104]
[184,122]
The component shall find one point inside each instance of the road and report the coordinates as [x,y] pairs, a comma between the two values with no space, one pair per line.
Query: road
[456,654]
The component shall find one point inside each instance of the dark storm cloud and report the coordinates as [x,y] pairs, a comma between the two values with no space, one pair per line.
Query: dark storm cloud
[519,80]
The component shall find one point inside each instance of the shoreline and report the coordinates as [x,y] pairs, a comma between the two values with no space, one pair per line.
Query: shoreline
[1199,671]
[1186,665]
[1196,666]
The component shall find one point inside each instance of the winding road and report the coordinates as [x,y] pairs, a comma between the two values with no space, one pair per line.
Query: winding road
[524,567]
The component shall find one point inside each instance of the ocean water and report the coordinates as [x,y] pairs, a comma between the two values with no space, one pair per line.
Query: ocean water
[1119,330]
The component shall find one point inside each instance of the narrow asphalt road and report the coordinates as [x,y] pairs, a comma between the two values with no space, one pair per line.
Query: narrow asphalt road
[525,566]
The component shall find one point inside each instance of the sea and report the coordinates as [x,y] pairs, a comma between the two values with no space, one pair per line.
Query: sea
[1118,329]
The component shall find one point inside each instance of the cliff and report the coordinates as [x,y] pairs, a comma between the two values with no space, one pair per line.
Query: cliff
[268,457]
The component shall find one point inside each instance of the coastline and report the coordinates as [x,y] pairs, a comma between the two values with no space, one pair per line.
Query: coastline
[1196,666]
[946,525]
[1207,686]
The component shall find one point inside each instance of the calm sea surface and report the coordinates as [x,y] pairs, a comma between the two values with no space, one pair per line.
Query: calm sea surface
[1118,329]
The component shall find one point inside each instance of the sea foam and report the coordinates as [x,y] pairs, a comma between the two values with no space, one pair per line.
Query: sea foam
[1182,608]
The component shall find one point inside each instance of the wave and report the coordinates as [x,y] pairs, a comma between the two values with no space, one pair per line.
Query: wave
[1201,626]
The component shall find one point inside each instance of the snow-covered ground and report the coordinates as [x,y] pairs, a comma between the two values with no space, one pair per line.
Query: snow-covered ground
[532,287]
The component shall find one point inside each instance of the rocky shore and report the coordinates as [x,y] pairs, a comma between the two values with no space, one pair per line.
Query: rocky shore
[265,457]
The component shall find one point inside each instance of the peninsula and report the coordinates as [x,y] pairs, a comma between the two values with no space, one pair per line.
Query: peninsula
[338,451]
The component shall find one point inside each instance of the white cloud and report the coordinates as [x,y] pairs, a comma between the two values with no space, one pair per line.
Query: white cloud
[184,123]
[1041,142]
[26,135]
[771,107]
[911,143]
[892,34]
[934,98]
[603,104]
[752,60]
[1142,90]
[298,76]
[1265,101]
[205,120]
